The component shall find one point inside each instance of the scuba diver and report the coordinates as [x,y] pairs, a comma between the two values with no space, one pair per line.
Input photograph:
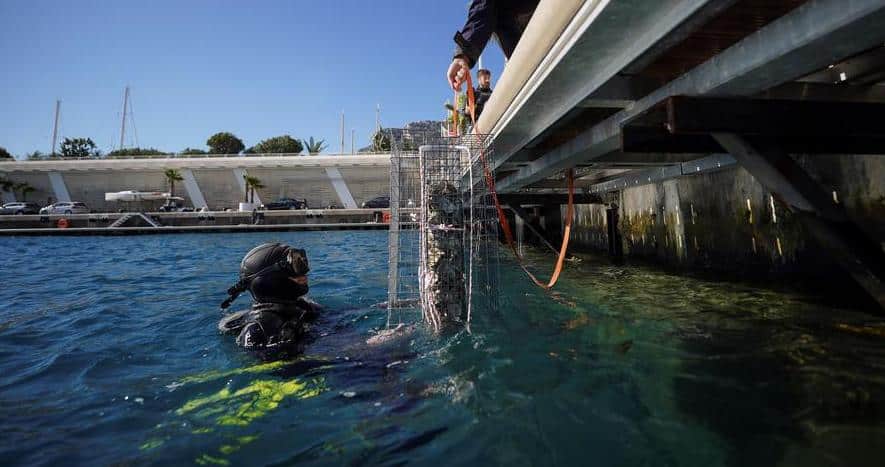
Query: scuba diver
[276,276]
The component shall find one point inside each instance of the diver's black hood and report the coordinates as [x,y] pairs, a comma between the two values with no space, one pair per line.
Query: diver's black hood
[266,272]
[270,266]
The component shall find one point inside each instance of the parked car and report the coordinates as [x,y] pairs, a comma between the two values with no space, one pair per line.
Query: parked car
[284,203]
[20,208]
[379,202]
[175,205]
[66,207]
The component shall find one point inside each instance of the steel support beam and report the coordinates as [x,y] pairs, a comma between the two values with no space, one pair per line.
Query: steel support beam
[603,40]
[826,92]
[685,123]
[521,199]
[645,177]
[825,220]
[811,37]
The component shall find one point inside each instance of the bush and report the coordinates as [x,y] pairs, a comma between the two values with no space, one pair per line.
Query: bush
[225,143]
[277,145]
[137,152]
[79,147]
[381,141]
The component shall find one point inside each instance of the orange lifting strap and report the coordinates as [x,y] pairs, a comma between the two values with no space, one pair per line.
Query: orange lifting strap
[502,218]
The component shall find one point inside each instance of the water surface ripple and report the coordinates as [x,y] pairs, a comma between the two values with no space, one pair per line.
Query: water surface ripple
[109,355]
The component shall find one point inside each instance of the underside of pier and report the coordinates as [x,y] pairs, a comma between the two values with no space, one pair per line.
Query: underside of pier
[737,135]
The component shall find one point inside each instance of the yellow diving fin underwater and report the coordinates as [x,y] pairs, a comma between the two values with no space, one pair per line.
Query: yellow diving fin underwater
[237,404]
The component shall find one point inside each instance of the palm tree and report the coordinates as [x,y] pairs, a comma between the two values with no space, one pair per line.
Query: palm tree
[315,147]
[24,188]
[172,176]
[252,184]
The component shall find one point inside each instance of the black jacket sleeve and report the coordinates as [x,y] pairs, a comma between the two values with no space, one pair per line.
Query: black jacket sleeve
[480,25]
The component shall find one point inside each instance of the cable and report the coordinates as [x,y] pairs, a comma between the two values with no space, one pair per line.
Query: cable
[502,218]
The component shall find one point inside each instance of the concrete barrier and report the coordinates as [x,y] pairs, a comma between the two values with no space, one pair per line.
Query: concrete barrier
[192,219]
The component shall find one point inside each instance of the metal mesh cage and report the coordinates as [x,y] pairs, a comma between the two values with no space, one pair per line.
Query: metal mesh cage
[443,228]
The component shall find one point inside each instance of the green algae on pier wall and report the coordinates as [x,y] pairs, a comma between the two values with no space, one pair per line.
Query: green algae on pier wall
[727,221]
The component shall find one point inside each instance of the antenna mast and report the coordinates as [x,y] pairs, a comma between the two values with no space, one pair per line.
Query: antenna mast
[123,120]
[55,127]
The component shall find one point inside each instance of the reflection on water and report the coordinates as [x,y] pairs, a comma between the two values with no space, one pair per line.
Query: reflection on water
[739,373]
[114,358]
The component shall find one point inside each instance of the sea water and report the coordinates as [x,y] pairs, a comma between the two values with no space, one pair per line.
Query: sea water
[109,354]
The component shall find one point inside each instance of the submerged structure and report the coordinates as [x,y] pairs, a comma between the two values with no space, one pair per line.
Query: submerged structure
[443,229]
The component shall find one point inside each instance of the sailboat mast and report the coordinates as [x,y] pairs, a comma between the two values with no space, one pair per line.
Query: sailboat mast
[55,127]
[377,117]
[342,132]
[123,120]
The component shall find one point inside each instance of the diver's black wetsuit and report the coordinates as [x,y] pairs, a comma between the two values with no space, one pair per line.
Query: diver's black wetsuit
[269,324]
[280,311]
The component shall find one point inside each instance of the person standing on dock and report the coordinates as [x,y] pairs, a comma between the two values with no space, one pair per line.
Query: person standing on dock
[483,89]
[506,19]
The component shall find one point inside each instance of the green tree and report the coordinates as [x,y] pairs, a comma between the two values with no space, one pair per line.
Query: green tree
[24,188]
[137,152]
[4,154]
[36,155]
[79,147]
[463,116]
[172,176]
[277,145]
[252,184]
[315,147]
[192,151]
[381,141]
[225,143]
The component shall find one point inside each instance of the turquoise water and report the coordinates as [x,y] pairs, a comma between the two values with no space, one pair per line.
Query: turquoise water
[109,355]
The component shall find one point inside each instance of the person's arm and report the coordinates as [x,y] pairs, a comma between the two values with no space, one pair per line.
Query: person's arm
[480,25]
[472,39]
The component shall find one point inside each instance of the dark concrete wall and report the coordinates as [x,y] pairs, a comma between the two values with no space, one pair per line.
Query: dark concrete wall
[727,221]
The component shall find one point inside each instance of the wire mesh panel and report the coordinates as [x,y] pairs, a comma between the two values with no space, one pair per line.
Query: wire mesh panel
[443,231]
[483,224]
[402,288]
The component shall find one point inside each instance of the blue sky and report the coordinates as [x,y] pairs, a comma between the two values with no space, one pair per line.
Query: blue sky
[256,68]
